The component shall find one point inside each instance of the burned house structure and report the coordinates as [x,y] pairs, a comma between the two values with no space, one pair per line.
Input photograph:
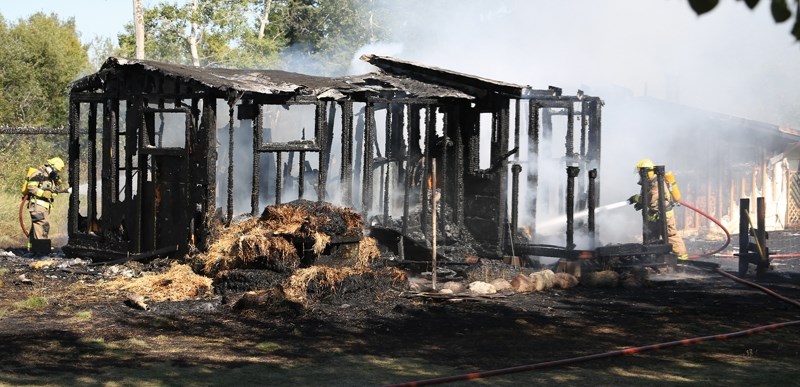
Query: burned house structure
[168,153]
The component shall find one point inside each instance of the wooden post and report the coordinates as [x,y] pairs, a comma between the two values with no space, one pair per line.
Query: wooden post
[433,221]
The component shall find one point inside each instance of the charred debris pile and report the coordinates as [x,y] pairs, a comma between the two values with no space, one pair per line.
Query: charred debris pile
[304,251]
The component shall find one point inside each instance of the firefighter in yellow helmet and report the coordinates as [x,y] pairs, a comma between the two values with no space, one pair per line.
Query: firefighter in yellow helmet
[670,200]
[42,185]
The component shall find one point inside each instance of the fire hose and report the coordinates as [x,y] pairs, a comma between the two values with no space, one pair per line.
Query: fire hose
[717,222]
[25,199]
[622,352]
[728,237]
[632,350]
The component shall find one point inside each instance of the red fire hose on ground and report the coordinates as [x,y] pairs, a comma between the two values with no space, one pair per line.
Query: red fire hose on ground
[22,205]
[632,350]
[709,217]
[622,352]
[728,238]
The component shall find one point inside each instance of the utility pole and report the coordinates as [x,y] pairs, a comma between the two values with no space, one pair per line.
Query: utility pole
[138,25]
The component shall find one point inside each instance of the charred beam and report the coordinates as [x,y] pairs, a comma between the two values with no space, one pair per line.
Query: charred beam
[231,141]
[346,172]
[533,160]
[592,192]
[258,123]
[366,188]
[74,165]
[572,172]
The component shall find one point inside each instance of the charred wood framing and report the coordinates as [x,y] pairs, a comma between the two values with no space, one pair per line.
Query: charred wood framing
[533,159]
[258,123]
[592,193]
[572,173]
[345,173]
[141,181]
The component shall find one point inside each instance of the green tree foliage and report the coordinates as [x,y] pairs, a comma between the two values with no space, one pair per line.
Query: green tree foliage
[168,30]
[779,8]
[318,36]
[40,57]
[326,33]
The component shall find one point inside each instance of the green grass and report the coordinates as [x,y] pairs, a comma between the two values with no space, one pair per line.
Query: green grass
[33,302]
[268,346]
[84,315]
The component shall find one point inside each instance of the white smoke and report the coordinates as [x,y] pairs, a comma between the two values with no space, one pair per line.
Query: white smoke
[732,60]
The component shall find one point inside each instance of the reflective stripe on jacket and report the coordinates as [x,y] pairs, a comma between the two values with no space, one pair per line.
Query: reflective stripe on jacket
[41,202]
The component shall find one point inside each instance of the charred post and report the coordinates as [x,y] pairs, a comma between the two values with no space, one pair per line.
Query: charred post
[572,173]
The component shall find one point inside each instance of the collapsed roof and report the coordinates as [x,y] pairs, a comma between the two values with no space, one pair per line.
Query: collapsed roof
[399,79]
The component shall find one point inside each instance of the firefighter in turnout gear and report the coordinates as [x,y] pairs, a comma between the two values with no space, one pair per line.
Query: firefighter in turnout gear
[41,186]
[671,199]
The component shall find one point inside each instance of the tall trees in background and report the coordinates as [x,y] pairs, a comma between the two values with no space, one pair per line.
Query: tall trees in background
[40,57]
[312,36]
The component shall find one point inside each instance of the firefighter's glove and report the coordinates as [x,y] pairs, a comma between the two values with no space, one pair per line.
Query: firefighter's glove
[67,190]
[652,217]
[636,201]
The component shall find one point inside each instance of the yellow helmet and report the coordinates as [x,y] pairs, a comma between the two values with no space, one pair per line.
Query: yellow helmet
[56,163]
[647,164]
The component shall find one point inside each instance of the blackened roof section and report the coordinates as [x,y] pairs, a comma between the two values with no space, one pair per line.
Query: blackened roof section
[280,82]
[477,86]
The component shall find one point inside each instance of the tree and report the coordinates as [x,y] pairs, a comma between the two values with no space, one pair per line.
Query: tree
[322,36]
[40,57]
[286,34]
[779,8]
[203,33]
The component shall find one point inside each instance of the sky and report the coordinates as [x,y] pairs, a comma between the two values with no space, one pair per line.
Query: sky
[732,60]
[93,18]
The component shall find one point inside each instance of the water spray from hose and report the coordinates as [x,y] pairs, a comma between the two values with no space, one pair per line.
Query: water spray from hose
[561,220]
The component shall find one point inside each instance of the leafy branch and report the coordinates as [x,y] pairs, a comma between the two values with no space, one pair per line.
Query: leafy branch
[779,8]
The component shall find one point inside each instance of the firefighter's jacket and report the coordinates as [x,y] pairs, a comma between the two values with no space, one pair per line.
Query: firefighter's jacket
[42,188]
[652,206]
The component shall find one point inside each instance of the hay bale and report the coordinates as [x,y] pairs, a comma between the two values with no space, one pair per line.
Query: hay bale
[455,287]
[522,284]
[177,284]
[318,283]
[501,284]
[304,216]
[600,279]
[480,288]
[283,237]
[565,281]
[549,278]
[368,251]
[538,281]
